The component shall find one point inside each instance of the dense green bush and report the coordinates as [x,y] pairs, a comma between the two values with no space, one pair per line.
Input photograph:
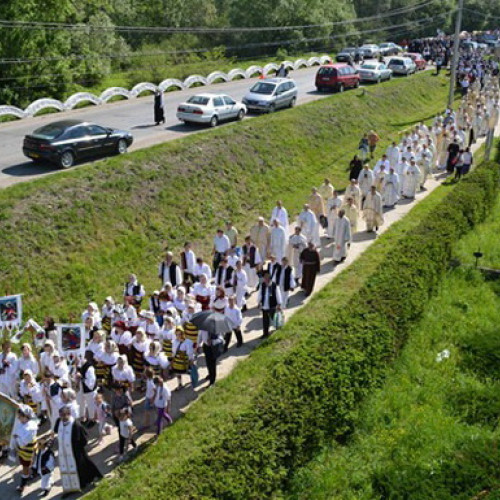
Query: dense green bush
[313,393]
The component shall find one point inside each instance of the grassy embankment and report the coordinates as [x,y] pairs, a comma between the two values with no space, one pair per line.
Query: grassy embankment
[307,383]
[431,432]
[76,235]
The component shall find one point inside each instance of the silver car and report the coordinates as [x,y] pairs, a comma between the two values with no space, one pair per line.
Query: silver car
[402,66]
[374,72]
[370,50]
[210,109]
[271,94]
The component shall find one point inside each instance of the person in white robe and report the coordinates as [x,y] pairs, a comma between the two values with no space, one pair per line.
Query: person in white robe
[280,213]
[353,191]
[278,241]
[352,213]
[366,180]
[326,190]
[296,244]
[373,211]
[411,180]
[260,234]
[425,164]
[393,154]
[333,205]
[401,171]
[309,225]
[342,236]
[391,189]
[382,164]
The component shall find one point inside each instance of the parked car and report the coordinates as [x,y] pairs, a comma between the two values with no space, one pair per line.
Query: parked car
[336,77]
[68,141]
[271,94]
[390,49]
[210,109]
[346,54]
[370,50]
[402,66]
[374,72]
[417,58]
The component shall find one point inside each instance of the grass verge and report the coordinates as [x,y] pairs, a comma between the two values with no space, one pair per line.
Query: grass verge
[76,235]
[431,432]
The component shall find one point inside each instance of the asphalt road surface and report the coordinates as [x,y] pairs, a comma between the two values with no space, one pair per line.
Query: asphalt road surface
[135,115]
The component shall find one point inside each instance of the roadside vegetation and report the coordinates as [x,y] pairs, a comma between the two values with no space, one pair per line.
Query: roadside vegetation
[319,368]
[76,235]
[431,432]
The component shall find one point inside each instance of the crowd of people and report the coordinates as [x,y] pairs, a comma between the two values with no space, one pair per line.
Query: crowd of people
[134,345]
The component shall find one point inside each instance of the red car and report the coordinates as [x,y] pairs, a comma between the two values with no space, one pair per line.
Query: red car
[336,77]
[417,59]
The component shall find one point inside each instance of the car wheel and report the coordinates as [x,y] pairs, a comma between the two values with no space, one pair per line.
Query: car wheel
[292,102]
[341,87]
[214,121]
[272,108]
[241,114]
[122,146]
[67,159]
[320,89]
[357,84]
[379,80]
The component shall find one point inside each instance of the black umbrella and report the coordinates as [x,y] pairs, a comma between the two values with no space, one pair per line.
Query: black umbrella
[212,322]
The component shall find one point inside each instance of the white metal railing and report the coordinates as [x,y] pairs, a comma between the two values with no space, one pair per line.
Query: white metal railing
[170,83]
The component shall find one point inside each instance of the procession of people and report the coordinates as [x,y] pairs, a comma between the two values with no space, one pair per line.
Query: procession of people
[139,341]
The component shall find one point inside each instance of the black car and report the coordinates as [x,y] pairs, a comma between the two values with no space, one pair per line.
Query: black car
[346,54]
[68,141]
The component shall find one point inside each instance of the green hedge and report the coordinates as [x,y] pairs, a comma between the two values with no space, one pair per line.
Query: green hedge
[313,393]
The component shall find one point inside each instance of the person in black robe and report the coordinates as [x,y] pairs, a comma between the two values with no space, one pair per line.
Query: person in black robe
[355,167]
[310,261]
[453,155]
[87,470]
[158,107]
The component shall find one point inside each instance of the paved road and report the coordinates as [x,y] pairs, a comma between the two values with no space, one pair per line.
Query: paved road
[135,115]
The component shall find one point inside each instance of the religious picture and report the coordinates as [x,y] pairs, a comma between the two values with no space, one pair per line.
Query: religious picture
[8,408]
[11,310]
[71,339]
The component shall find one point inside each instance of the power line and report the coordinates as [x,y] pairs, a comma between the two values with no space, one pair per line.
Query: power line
[4,23]
[80,82]
[229,48]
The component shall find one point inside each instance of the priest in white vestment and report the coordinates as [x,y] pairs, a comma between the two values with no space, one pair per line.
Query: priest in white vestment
[77,470]
[280,212]
[309,225]
[342,235]
[296,244]
[332,207]
[373,211]
[390,193]
[411,180]
[279,241]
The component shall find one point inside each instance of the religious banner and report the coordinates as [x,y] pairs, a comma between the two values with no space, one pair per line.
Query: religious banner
[11,311]
[71,339]
[8,409]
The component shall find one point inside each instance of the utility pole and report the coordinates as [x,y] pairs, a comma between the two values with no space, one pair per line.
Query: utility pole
[456,47]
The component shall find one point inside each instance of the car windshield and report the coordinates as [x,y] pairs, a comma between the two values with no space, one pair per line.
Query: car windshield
[384,44]
[199,100]
[49,131]
[327,71]
[263,88]
[397,62]
[369,66]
